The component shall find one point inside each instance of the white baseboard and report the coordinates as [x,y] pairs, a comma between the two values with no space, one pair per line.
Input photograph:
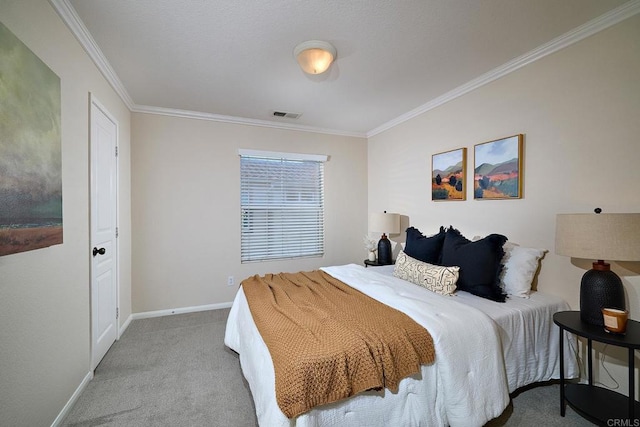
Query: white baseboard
[73,399]
[170,311]
[125,326]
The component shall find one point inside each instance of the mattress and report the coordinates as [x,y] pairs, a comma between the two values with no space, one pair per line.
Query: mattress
[484,350]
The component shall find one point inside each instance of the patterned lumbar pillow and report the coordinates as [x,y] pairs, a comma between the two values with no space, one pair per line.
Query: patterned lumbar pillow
[438,279]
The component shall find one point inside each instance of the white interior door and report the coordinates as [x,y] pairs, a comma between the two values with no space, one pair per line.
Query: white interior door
[104,277]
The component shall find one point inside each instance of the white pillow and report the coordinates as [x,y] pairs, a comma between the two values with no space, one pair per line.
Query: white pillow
[520,266]
[436,278]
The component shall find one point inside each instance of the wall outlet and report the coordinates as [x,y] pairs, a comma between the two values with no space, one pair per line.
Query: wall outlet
[230,281]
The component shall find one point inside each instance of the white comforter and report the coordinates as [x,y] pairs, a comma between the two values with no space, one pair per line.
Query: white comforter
[466,386]
[529,337]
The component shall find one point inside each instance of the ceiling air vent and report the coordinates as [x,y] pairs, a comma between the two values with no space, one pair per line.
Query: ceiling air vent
[287,115]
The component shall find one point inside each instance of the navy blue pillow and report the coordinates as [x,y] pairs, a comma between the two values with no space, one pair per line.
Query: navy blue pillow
[425,249]
[480,263]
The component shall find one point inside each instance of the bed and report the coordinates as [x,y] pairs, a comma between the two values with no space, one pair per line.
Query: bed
[484,351]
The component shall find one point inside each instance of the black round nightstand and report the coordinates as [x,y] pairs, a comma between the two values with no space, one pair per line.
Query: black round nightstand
[595,402]
[375,263]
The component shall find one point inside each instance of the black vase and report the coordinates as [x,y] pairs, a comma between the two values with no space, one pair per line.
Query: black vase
[384,251]
[600,289]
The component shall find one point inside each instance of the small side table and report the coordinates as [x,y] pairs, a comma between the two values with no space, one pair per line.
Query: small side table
[598,403]
[375,263]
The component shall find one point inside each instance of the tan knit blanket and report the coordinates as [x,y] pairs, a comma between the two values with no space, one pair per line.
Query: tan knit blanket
[329,341]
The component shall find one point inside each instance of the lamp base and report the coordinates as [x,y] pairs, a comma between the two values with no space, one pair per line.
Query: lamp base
[384,251]
[600,288]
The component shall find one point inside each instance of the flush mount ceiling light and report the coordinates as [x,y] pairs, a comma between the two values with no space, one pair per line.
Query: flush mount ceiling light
[314,56]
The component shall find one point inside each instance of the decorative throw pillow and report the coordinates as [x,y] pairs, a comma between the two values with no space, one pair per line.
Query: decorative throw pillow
[422,248]
[520,266]
[479,262]
[438,279]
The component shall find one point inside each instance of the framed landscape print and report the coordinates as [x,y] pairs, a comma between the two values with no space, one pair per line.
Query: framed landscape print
[30,150]
[498,169]
[448,175]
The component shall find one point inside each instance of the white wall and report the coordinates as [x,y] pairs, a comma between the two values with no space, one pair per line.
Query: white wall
[44,294]
[579,110]
[186,206]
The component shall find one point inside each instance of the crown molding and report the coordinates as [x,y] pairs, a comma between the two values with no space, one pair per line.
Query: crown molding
[148,109]
[70,17]
[73,21]
[594,26]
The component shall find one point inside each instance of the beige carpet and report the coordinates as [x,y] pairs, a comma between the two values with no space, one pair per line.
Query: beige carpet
[176,371]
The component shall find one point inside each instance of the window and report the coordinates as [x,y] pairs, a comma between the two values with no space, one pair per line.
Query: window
[282,205]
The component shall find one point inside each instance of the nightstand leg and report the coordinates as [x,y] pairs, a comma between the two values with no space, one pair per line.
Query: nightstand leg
[632,385]
[589,361]
[562,408]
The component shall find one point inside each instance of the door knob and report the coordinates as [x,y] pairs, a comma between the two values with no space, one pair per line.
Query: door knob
[100,251]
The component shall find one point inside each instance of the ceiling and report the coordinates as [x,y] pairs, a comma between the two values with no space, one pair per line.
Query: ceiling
[233,60]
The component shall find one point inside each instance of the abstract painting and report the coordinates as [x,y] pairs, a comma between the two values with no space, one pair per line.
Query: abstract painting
[30,150]
[498,169]
[448,175]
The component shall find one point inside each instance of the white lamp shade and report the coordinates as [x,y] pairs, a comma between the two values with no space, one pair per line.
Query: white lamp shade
[314,56]
[613,237]
[384,222]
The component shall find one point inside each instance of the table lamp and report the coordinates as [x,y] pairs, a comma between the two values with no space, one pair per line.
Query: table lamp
[599,236]
[384,223]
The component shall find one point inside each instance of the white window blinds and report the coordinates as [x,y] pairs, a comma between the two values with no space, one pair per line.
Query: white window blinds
[282,206]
